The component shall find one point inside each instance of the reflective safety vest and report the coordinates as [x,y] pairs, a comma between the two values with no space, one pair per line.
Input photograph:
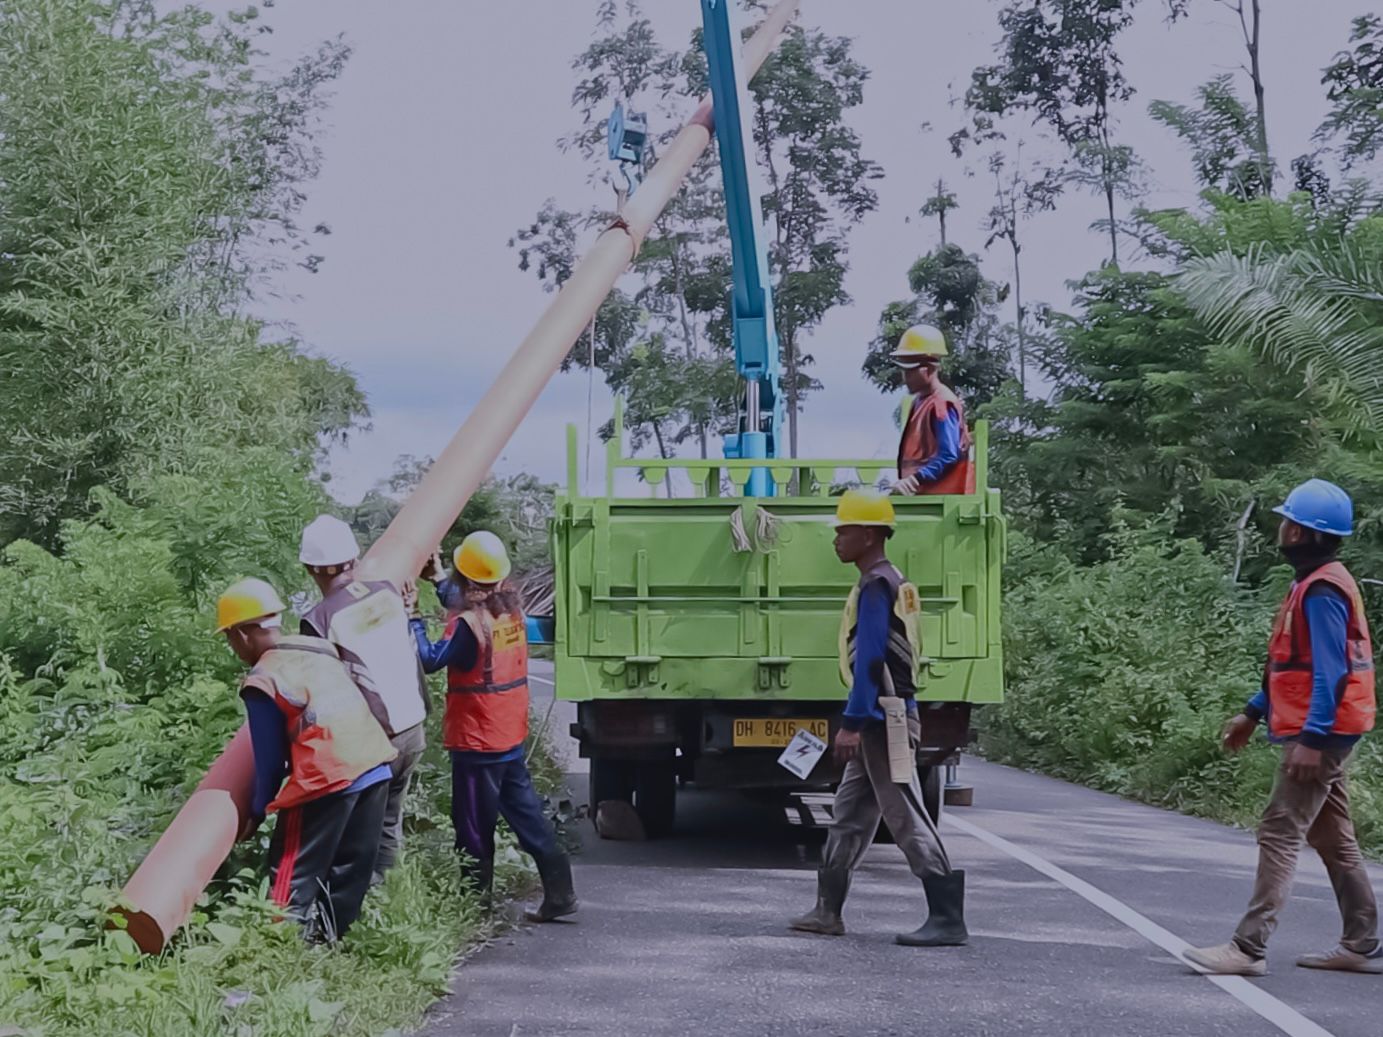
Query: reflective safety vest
[368,619]
[487,705]
[904,632]
[918,443]
[1288,673]
[333,737]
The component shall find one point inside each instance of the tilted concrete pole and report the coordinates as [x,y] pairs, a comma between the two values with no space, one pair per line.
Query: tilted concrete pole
[159,897]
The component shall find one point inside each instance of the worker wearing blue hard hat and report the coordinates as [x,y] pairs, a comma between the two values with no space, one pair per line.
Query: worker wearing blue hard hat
[1318,700]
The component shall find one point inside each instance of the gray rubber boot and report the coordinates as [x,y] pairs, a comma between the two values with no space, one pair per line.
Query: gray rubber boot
[559,894]
[831,886]
[945,914]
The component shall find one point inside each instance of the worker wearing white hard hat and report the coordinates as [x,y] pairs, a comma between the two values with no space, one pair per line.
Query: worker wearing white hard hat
[934,448]
[368,618]
[321,761]
[485,652]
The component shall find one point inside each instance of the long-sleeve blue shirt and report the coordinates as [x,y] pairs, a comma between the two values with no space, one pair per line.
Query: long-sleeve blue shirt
[871,645]
[460,652]
[269,740]
[946,429]
[1327,618]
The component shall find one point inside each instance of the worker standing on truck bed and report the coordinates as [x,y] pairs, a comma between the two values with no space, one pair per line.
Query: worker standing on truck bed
[878,633]
[311,716]
[485,651]
[1318,699]
[934,448]
[368,618]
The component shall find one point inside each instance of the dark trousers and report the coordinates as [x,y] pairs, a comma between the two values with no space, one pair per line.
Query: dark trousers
[410,745]
[482,792]
[322,856]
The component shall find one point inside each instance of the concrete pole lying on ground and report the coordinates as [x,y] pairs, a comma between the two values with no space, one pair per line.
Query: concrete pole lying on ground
[159,897]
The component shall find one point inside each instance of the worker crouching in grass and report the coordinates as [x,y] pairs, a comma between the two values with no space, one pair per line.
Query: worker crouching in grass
[1318,699]
[310,717]
[879,652]
[485,651]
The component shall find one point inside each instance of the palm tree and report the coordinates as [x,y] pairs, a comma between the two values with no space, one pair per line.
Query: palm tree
[1316,311]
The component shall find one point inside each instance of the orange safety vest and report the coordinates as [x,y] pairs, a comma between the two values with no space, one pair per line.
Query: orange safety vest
[918,443]
[333,737]
[487,705]
[1288,673]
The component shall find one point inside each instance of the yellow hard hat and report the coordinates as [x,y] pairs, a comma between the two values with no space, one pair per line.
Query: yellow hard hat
[920,342]
[481,558]
[249,599]
[864,508]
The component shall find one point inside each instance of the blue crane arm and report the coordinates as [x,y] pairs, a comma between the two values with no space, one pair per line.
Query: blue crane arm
[755,339]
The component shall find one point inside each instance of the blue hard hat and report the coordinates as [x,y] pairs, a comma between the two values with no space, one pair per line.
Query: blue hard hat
[1319,505]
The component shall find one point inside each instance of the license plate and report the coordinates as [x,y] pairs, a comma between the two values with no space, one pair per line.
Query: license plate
[776,733]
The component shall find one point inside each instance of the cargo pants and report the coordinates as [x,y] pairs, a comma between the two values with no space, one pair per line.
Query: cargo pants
[865,795]
[1318,812]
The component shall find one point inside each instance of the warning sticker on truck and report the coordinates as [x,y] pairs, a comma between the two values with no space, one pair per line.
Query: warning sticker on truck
[802,753]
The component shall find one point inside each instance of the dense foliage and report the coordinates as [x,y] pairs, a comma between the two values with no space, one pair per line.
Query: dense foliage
[155,444]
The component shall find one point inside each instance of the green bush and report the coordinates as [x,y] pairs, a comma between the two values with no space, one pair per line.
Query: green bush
[1121,675]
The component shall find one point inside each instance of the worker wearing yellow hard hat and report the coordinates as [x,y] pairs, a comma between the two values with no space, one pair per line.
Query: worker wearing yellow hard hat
[934,448]
[879,652]
[321,761]
[485,652]
[368,618]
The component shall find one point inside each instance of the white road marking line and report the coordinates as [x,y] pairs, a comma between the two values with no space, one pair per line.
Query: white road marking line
[1281,1015]
[542,680]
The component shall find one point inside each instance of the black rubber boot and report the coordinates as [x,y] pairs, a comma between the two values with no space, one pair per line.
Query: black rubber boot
[479,876]
[559,895]
[832,884]
[945,914]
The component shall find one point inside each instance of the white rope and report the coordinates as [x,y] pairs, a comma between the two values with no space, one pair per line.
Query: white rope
[590,393]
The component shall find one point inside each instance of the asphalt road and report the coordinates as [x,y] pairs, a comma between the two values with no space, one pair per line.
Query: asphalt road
[1076,902]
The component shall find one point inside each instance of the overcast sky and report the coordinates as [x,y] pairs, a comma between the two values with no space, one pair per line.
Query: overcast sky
[441,143]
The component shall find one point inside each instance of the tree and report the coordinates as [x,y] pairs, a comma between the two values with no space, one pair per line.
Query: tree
[1223,136]
[1020,192]
[939,205]
[130,237]
[1058,62]
[665,344]
[950,293]
[1354,87]
[516,508]
[1316,312]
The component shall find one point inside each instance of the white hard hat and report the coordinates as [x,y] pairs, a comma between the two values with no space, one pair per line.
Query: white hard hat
[328,541]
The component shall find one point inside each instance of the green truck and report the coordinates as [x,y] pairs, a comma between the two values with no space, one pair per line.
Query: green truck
[697,632]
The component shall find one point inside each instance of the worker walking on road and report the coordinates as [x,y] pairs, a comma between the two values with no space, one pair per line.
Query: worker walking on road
[485,651]
[309,716]
[934,450]
[368,618]
[879,649]
[1318,699]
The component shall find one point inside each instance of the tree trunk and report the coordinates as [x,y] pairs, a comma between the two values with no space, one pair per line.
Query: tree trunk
[1113,229]
[1265,167]
[941,216]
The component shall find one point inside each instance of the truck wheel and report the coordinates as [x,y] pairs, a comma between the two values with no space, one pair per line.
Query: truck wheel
[609,779]
[932,782]
[655,797]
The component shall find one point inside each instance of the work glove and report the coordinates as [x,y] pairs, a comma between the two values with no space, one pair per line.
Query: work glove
[906,487]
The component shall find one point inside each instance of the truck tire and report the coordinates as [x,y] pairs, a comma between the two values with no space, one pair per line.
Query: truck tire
[655,797]
[932,780]
[609,779]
